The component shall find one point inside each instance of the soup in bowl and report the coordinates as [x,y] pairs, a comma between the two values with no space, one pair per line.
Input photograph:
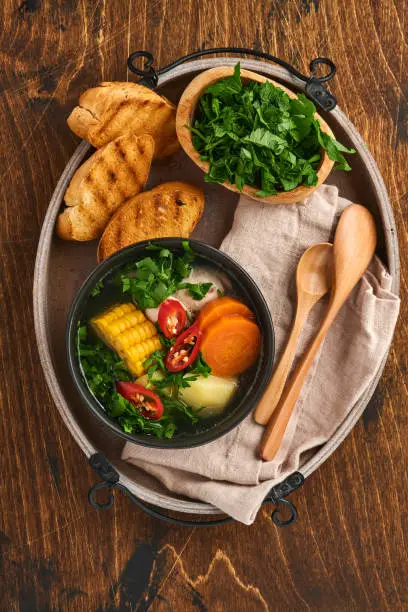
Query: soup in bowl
[170,343]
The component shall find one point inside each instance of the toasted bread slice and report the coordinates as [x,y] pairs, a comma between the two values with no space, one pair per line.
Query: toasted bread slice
[171,209]
[109,177]
[113,109]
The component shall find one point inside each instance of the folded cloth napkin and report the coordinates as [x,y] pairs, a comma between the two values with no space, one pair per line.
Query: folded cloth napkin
[268,241]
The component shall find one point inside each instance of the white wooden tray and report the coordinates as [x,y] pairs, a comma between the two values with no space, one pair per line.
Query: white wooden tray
[62,266]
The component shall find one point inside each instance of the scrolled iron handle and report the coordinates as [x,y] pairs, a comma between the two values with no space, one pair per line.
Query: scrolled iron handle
[314,84]
[110,481]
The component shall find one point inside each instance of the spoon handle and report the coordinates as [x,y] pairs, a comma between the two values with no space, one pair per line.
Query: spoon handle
[276,428]
[275,387]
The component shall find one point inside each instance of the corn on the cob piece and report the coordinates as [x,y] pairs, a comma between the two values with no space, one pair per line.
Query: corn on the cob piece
[127,331]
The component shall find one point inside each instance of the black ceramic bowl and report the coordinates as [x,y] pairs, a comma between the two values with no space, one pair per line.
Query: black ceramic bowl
[252,383]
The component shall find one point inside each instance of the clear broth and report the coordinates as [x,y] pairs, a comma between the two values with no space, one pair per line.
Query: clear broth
[111,295]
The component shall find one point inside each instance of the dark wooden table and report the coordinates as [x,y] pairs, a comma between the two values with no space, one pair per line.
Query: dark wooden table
[348,551]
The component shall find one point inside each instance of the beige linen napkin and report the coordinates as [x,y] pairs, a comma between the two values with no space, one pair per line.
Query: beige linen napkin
[268,241]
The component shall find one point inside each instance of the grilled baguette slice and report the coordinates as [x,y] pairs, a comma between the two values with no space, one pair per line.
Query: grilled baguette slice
[113,109]
[109,177]
[171,209]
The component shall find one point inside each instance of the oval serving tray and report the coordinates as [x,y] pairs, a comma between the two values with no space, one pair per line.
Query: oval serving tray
[61,267]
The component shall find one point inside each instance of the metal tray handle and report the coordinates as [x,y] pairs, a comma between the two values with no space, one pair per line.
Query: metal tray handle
[314,87]
[110,481]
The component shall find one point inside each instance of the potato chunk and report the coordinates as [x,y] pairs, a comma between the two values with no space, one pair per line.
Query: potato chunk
[212,394]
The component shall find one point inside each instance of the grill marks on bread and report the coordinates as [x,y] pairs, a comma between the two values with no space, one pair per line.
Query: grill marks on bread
[153,214]
[113,174]
[110,117]
[113,109]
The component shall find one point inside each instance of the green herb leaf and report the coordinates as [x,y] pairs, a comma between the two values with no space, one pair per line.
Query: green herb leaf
[97,289]
[201,367]
[333,148]
[82,333]
[265,138]
[172,404]
[197,290]
[230,85]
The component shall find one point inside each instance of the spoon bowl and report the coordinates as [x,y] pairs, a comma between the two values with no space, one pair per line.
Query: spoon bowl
[313,281]
[314,271]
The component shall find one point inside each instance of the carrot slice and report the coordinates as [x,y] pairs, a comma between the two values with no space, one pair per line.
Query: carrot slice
[222,307]
[231,345]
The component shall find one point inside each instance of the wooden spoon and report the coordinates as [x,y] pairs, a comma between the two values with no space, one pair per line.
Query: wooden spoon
[313,281]
[186,109]
[354,246]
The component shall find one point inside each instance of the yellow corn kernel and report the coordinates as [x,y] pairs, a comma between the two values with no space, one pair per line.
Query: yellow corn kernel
[128,321]
[127,331]
[142,350]
[152,345]
[136,334]
[115,313]
[134,352]
[135,367]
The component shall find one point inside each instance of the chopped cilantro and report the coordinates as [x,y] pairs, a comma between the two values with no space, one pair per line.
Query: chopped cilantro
[197,290]
[100,367]
[153,279]
[256,135]
[201,366]
[97,289]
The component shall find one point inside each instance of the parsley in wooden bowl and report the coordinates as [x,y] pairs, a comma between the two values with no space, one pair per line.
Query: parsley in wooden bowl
[255,136]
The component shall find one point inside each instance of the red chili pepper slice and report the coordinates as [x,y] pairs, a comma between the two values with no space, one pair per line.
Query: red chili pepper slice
[149,404]
[185,350]
[172,318]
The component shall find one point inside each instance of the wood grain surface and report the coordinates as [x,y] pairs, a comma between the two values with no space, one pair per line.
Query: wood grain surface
[348,551]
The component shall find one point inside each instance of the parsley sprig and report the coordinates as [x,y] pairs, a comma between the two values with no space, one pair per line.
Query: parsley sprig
[153,279]
[256,135]
[97,289]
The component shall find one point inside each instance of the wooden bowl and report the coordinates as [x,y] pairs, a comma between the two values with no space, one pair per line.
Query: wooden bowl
[185,117]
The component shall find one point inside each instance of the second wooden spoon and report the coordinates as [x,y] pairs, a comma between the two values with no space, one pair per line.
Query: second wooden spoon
[313,281]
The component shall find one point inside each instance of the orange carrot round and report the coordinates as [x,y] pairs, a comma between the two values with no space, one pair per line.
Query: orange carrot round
[231,345]
[221,307]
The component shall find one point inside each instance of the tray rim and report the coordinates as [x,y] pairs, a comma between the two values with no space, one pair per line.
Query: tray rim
[40,284]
